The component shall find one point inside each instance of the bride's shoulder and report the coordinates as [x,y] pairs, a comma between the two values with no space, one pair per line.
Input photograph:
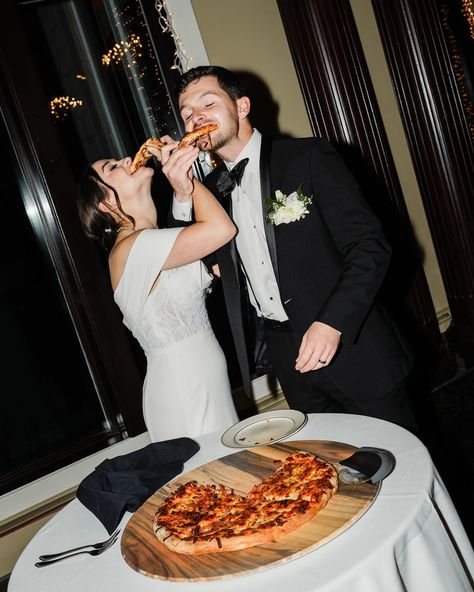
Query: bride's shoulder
[119,255]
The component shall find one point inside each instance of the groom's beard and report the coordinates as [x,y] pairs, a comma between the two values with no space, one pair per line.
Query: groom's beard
[225,134]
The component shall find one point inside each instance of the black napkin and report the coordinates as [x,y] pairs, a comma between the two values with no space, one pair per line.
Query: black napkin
[125,482]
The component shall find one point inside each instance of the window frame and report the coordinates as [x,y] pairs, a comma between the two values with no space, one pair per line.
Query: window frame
[44,175]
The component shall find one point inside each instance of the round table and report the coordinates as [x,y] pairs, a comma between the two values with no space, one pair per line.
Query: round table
[410,539]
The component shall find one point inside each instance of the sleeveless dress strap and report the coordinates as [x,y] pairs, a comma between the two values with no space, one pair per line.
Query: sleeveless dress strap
[144,263]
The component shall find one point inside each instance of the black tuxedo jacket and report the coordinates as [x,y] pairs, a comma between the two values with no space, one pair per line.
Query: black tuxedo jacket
[329,265]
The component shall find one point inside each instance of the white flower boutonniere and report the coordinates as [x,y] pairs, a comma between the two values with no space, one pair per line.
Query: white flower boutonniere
[288,208]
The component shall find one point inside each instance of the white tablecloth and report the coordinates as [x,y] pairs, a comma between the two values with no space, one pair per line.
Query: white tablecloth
[410,539]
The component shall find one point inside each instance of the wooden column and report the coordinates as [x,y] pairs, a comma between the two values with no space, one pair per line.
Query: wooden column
[342,107]
[438,135]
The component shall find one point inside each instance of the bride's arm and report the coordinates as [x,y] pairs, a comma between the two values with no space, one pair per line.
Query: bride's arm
[212,228]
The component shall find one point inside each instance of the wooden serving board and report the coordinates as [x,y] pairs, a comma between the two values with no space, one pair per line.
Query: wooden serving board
[241,471]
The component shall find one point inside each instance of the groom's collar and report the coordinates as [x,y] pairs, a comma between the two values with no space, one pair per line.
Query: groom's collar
[251,151]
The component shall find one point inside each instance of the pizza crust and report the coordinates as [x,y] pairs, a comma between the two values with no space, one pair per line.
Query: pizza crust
[197,134]
[143,155]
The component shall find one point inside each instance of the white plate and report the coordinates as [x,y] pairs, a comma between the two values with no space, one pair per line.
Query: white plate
[264,428]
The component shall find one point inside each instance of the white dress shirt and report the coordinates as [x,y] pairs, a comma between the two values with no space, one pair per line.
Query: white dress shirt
[252,247]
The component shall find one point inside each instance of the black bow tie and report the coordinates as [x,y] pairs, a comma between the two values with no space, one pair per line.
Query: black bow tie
[227,180]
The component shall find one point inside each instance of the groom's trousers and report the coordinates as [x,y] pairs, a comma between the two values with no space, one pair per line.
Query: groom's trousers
[315,392]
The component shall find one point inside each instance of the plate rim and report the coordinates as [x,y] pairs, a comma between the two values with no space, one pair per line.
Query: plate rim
[226,438]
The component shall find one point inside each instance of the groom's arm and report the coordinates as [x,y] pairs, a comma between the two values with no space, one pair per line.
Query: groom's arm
[181,213]
[366,254]
[358,234]
[181,210]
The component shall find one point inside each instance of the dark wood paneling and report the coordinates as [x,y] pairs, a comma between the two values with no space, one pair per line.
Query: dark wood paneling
[438,135]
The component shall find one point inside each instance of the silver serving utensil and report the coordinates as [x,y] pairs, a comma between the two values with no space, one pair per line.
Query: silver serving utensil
[94,549]
[366,464]
[350,476]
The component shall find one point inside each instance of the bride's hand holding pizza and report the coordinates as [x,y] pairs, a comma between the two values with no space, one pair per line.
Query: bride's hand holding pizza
[176,165]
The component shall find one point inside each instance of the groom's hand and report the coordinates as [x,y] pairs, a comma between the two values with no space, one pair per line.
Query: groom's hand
[318,346]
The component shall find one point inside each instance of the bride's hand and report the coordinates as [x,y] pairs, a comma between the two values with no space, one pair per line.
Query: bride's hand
[176,165]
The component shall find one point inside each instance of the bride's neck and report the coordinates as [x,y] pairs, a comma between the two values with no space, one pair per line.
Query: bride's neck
[145,222]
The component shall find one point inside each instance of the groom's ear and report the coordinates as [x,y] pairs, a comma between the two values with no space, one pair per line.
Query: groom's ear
[243,107]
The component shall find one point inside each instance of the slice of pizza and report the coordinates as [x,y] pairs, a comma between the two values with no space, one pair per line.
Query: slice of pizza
[143,155]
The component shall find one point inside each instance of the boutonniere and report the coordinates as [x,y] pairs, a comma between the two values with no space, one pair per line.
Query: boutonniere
[288,208]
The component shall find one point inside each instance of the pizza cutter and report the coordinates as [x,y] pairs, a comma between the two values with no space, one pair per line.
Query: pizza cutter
[367,464]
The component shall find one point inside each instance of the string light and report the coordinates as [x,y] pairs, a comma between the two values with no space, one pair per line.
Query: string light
[132,46]
[466,8]
[143,74]
[456,61]
[181,61]
[60,107]
[132,42]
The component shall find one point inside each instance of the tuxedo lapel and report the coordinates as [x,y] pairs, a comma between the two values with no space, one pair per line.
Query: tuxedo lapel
[223,197]
[231,286]
[226,202]
[266,187]
[227,205]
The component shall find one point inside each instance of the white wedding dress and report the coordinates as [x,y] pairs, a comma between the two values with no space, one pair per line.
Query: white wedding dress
[186,390]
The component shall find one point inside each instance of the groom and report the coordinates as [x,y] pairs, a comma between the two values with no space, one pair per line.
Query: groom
[313,261]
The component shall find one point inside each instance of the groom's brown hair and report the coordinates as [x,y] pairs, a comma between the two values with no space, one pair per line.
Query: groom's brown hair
[226,79]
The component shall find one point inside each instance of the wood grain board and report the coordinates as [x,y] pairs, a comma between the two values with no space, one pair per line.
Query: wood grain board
[241,471]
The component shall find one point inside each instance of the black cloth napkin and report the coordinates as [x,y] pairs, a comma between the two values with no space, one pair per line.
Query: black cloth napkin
[125,482]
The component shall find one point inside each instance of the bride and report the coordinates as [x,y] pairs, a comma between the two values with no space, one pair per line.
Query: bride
[160,283]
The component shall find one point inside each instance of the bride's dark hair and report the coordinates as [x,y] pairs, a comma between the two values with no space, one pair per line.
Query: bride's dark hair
[98,225]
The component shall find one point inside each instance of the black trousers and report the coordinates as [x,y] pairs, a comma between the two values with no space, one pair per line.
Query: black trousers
[315,392]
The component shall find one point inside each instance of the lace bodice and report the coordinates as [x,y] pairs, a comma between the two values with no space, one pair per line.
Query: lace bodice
[176,308]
